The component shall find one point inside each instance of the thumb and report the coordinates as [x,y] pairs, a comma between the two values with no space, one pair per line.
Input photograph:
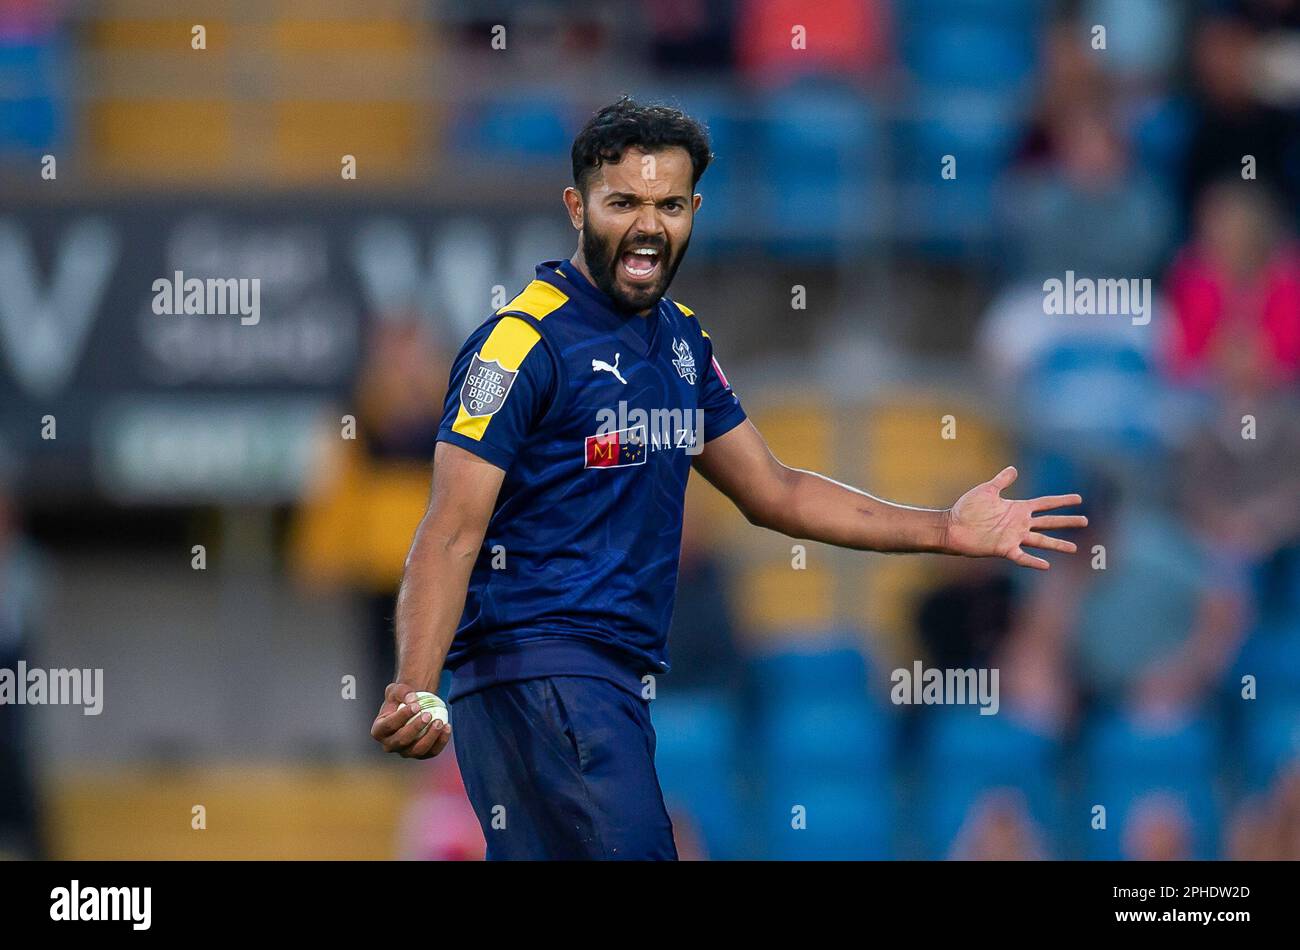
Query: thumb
[398,693]
[1003,479]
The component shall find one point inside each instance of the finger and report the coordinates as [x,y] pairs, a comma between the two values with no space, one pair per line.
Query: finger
[405,737]
[1027,560]
[1005,478]
[425,743]
[1036,540]
[441,734]
[443,738]
[1054,501]
[1050,522]
[386,724]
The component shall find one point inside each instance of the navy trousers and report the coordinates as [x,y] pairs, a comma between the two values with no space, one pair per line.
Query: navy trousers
[562,768]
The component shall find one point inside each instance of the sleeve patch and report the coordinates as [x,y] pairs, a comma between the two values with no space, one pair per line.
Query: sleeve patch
[492,373]
[486,386]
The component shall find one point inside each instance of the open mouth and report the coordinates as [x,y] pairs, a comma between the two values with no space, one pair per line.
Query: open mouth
[641,264]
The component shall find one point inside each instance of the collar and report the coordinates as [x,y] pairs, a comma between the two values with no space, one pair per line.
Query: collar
[566,275]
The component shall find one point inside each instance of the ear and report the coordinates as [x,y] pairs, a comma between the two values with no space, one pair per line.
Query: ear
[696,199]
[573,204]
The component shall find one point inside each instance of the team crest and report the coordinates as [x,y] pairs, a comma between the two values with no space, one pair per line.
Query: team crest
[486,386]
[685,361]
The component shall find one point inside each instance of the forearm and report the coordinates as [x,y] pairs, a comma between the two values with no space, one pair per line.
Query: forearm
[817,508]
[430,602]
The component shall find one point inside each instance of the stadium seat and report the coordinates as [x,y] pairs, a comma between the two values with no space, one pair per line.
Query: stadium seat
[817,146]
[1123,761]
[1270,740]
[842,820]
[835,739]
[979,130]
[516,128]
[832,668]
[963,754]
[31,111]
[1094,392]
[725,217]
[958,52]
[695,754]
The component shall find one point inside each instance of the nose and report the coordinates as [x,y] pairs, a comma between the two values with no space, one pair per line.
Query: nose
[648,223]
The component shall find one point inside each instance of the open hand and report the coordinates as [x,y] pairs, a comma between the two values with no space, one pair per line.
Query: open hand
[984,524]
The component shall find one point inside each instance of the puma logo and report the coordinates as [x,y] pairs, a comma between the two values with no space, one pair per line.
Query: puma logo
[600,366]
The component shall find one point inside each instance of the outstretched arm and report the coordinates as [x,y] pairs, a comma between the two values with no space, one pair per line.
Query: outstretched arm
[806,505]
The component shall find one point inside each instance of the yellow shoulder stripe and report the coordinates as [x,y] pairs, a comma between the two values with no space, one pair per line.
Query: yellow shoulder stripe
[508,343]
[537,300]
[685,309]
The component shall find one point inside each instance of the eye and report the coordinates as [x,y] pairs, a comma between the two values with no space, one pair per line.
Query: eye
[621,203]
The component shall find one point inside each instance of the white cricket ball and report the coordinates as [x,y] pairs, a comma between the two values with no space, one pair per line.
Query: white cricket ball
[430,703]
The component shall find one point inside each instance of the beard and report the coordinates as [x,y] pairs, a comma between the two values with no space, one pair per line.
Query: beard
[602,256]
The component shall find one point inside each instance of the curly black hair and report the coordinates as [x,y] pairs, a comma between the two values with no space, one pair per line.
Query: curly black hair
[628,124]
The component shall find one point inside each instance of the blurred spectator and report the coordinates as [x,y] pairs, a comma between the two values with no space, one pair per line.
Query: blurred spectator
[1231,121]
[356,526]
[1268,828]
[998,827]
[963,622]
[1153,630]
[1087,209]
[1158,829]
[686,834]
[1070,78]
[694,35]
[1238,280]
[1242,495]
[1036,682]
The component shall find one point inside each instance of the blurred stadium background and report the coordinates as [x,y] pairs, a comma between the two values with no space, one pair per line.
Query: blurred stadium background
[224,687]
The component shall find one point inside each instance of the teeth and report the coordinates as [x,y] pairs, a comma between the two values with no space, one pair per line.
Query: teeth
[648,251]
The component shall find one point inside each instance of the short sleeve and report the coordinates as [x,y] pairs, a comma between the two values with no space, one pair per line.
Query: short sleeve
[720,405]
[502,385]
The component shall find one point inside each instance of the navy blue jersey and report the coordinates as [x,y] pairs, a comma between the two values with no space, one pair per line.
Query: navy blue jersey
[595,422]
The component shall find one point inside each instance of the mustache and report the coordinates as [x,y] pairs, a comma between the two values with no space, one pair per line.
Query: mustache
[655,244]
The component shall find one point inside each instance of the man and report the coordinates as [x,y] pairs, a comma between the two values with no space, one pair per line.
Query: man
[542,574]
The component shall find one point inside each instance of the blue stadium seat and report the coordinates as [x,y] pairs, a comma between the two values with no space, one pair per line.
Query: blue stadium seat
[818,148]
[1270,741]
[832,668]
[725,214]
[1022,14]
[969,53]
[516,128]
[1098,392]
[964,754]
[843,820]
[1123,762]
[1271,654]
[696,757]
[980,132]
[842,739]
[31,110]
